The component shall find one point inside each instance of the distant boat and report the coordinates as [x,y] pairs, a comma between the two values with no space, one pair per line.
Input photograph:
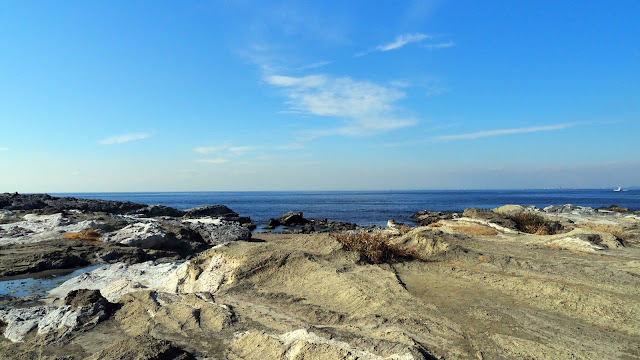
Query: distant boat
[618,189]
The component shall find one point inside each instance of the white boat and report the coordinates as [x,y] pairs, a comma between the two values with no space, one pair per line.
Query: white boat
[618,189]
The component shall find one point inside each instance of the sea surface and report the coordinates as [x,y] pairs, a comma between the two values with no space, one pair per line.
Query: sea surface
[370,207]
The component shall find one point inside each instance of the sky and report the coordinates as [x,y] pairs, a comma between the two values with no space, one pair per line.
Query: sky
[100,96]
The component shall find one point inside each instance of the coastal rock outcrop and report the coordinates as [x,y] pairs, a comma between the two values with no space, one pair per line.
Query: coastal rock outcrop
[293,218]
[216,231]
[144,235]
[490,216]
[426,217]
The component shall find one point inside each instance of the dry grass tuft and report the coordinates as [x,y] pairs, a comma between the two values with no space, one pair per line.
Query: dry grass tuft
[88,236]
[606,228]
[476,230]
[404,229]
[531,223]
[374,247]
[435,224]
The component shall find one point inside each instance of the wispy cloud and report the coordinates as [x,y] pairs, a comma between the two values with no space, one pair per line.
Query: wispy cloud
[364,106]
[399,42]
[207,149]
[443,45]
[481,134]
[119,139]
[4,149]
[213,161]
[314,65]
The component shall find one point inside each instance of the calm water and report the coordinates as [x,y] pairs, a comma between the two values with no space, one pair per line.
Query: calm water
[371,207]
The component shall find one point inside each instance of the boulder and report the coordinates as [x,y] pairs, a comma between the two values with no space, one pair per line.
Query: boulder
[490,216]
[426,217]
[616,208]
[508,209]
[293,218]
[273,223]
[159,210]
[144,235]
[215,211]
[216,231]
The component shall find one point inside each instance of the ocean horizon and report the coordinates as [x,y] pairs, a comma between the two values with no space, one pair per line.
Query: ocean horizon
[370,207]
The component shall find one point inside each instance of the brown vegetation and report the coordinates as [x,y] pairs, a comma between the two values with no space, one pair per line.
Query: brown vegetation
[476,230]
[88,236]
[435,224]
[531,223]
[374,247]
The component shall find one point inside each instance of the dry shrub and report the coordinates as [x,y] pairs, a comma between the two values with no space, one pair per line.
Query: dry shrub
[89,236]
[531,223]
[404,229]
[435,224]
[607,228]
[476,230]
[374,247]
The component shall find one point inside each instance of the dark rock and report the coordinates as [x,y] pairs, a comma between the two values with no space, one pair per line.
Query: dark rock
[426,217]
[293,218]
[226,231]
[307,229]
[616,208]
[215,211]
[490,216]
[50,204]
[159,210]
[84,298]
[273,223]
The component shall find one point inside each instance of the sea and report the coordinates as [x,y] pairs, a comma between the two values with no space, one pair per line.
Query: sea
[370,207]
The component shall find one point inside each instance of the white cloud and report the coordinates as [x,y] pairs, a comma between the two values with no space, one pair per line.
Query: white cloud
[207,149]
[366,107]
[239,150]
[314,65]
[119,139]
[481,134]
[401,41]
[4,149]
[213,161]
[440,45]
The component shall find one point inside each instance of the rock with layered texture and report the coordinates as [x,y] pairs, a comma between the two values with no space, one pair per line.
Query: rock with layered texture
[144,235]
[216,231]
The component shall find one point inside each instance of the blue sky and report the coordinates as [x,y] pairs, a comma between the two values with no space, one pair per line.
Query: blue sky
[266,95]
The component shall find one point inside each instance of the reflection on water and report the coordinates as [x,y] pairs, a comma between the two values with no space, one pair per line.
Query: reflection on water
[39,285]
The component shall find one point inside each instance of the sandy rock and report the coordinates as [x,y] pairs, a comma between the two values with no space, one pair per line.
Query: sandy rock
[115,280]
[207,273]
[508,209]
[142,347]
[163,313]
[585,240]
[302,344]
[144,235]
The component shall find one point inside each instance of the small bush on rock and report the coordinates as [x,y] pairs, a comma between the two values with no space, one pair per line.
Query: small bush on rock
[531,223]
[374,247]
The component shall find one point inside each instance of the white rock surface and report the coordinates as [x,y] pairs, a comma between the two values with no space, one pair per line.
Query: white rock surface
[115,280]
[36,228]
[20,321]
[145,235]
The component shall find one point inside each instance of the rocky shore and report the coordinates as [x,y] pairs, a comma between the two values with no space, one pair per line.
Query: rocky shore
[562,282]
